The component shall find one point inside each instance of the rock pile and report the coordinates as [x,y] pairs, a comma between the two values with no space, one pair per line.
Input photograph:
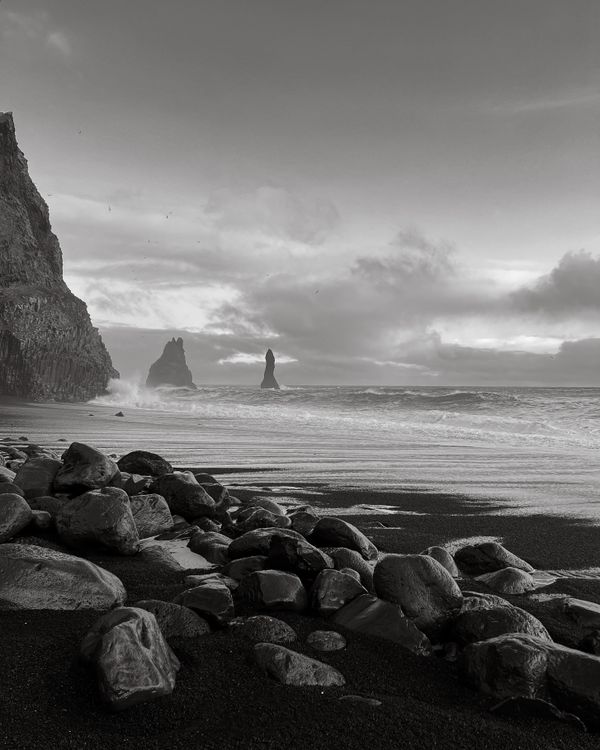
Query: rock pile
[259,560]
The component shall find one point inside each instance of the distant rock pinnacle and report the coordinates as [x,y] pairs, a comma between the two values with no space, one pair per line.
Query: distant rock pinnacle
[269,378]
[48,346]
[171,368]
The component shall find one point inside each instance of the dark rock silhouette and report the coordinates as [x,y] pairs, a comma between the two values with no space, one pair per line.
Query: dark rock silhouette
[269,378]
[48,346]
[171,368]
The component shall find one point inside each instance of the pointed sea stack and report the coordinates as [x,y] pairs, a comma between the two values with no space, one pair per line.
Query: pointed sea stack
[48,346]
[171,368]
[269,378]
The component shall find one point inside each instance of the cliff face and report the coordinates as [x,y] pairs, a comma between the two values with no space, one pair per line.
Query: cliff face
[48,346]
[171,368]
[269,377]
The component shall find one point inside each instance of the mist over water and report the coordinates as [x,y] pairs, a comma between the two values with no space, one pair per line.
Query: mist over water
[531,448]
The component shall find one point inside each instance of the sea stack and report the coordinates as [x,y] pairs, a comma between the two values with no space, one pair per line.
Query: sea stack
[269,378]
[171,368]
[48,346]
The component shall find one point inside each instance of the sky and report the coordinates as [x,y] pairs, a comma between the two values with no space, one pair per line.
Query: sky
[382,192]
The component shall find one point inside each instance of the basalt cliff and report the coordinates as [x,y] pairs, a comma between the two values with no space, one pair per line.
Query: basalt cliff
[171,367]
[48,346]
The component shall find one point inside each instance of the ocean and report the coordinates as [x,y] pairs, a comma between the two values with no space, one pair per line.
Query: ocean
[531,450]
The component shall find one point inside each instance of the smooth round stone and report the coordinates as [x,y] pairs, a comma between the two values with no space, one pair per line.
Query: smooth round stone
[326,640]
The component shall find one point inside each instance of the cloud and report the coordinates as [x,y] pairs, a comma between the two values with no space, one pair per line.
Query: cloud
[26,33]
[572,286]
[58,40]
[244,358]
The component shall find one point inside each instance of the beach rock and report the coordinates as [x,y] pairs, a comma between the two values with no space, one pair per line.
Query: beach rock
[375,617]
[197,579]
[184,496]
[241,567]
[258,542]
[488,557]
[49,504]
[135,484]
[157,555]
[349,558]
[133,661]
[15,515]
[326,640]
[268,380]
[303,522]
[206,524]
[297,556]
[212,600]
[521,706]
[334,532]
[174,620]
[84,468]
[214,489]
[36,476]
[266,503]
[333,589]
[292,668]
[258,518]
[144,463]
[171,367]
[6,475]
[425,590]
[482,624]
[8,488]
[350,572]
[360,699]
[444,558]
[42,520]
[473,600]
[49,349]
[33,577]
[100,518]
[265,629]
[508,581]
[211,545]
[273,589]
[151,515]
[522,665]
[572,622]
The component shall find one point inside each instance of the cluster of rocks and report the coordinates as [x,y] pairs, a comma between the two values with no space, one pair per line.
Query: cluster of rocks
[259,559]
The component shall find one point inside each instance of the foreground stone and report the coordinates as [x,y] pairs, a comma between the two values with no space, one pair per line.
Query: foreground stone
[33,577]
[133,661]
[297,556]
[444,558]
[174,620]
[258,542]
[15,515]
[508,581]
[372,616]
[425,590]
[522,665]
[100,517]
[488,557]
[212,600]
[334,532]
[292,668]
[144,462]
[333,589]
[36,476]
[482,624]
[244,565]
[84,468]
[151,515]
[184,496]
[265,629]
[252,518]
[211,545]
[349,558]
[273,589]
[326,640]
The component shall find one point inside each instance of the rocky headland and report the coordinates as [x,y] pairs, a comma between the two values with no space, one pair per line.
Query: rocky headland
[48,346]
[268,380]
[171,589]
[171,367]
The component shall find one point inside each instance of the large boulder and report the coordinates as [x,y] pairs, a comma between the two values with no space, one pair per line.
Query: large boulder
[259,518]
[326,640]
[211,545]
[333,589]
[444,558]
[133,661]
[265,629]
[266,503]
[145,463]
[297,556]
[333,532]
[572,622]
[488,557]
[523,665]
[151,515]
[425,590]
[212,600]
[349,558]
[184,496]
[292,668]
[8,488]
[174,620]
[304,522]
[508,581]
[374,617]
[100,518]
[244,565]
[33,577]
[258,542]
[83,468]
[36,476]
[273,589]
[482,624]
[15,515]
[476,600]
